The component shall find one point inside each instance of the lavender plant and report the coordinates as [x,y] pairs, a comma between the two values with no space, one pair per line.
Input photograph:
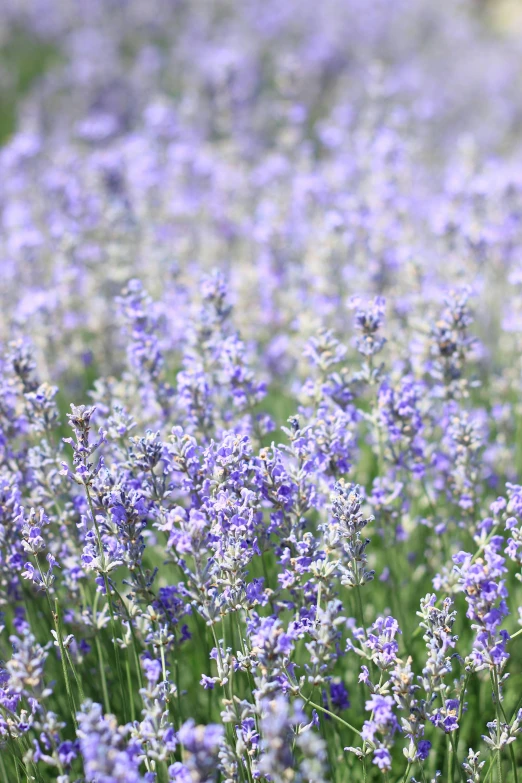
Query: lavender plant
[260,493]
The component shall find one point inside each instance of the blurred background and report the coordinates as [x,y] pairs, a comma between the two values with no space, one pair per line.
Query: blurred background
[309,150]
[35,36]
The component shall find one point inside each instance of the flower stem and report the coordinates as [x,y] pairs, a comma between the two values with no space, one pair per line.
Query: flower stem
[109,602]
[333,715]
[406,773]
[494,682]
[106,701]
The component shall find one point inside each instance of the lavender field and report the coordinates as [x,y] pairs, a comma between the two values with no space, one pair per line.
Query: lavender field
[260,391]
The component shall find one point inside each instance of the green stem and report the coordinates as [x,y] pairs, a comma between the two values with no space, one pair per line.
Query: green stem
[14,751]
[109,602]
[490,769]
[101,666]
[361,620]
[133,634]
[3,771]
[332,715]
[116,647]
[514,635]
[455,759]
[360,609]
[510,746]
[63,656]
[457,733]
[56,622]
[494,682]
[130,689]
[178,690]
[397,604]
[17,762]
[243,651]
[449,758]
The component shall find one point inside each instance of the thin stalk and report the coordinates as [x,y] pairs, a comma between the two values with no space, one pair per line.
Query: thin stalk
[510,746]
[17,762]
[116,647]
[461,709]
[101,662]
[56,621]
[162,772]
[109,602]
[14,750]
[130,689]
[397,606]
[133,634]
[515,711]
[455,759]
[243,651]
[63,656]
[231,690]
[206,652]
[360,609]
[333,715]
[76,676]
[324,735]
[494,682]
[3,771]
[178,690]
[490,769]
[361,620]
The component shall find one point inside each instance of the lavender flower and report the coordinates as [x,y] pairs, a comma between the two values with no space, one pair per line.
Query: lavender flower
[107,754]
[283,322]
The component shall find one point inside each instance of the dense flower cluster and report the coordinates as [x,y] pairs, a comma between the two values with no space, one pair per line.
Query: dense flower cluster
[267,525]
